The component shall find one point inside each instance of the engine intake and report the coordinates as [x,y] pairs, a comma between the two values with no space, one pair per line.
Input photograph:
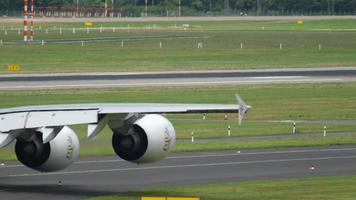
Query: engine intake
[147,140]
[55,155]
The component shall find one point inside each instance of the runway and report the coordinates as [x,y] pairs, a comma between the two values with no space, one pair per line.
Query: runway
[145,79]
[109,175]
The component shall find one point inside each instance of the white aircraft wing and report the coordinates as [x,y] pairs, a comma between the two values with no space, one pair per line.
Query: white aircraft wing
[13,120]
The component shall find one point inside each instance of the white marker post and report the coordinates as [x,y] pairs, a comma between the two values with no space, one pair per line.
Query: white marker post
[200,45]
[324,131]
[192,136]
[5,31]
[229,130]
[241,45]
[113,29]
[319,47]
[42,42]
[101,28]
[294,128]
[82,44]
[280,46]
[204,116]
[225,118]
[160,44]
[122,44]
[74,30]
[60,30]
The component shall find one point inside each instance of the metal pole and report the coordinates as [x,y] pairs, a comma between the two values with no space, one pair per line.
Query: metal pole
[179,8]
[333,7]
[226,9]
[25,32]
[167,8]
[78,8]
[258,7]
[106,8]
[32,16]
[112,8]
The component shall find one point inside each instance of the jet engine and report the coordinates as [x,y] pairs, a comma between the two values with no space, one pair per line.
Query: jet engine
[148,139]
[55,155]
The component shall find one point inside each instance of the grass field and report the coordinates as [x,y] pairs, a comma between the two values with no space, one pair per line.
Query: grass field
[222,46]
[270,102]
[321,188]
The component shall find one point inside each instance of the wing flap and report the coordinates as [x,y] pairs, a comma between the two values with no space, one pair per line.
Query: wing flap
[12,121]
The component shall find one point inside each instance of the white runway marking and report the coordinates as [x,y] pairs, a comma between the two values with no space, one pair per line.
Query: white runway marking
[177,82]
[281,77]
[178,166]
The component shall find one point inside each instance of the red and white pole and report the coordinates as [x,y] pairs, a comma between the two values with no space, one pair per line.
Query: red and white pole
[25,30]
[32,16]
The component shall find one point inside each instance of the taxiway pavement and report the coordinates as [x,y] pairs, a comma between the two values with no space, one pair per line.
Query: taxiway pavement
[109,175]
[145,79]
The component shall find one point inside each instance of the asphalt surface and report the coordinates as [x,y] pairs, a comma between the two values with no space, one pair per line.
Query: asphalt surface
[109,175]
[88,80]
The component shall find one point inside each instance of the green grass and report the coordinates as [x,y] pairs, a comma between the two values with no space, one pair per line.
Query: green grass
[320,188]
[265,143]
[222,51]
[270,102]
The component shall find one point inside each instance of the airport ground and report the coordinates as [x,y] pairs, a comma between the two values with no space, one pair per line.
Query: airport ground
[317,43]
[294,173]
[277,102]
[135,46]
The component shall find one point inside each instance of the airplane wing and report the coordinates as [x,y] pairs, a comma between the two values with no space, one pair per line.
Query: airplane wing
[96,115]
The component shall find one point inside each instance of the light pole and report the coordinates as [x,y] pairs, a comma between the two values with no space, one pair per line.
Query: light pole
[106,8]
[333,7]
[112,8]
[78,8]
[258,12]
[167,8]
[179,8]
[25,32]
[226,10]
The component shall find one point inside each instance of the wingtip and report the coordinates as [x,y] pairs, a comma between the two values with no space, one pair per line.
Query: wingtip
[243,108]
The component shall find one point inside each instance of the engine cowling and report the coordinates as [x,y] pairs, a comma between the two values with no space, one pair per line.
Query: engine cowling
[147,140]
[55,155]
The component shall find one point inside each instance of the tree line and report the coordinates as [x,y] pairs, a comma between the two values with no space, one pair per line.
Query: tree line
[205,7]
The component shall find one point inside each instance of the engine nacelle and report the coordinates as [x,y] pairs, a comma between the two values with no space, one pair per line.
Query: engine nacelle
[147,140]
[55,155]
